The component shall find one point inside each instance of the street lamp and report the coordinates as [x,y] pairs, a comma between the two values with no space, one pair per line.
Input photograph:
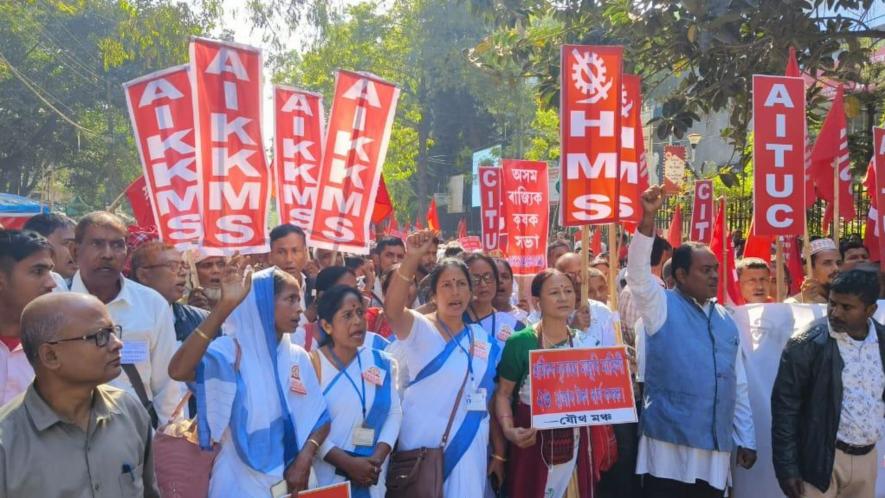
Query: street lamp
[694,139]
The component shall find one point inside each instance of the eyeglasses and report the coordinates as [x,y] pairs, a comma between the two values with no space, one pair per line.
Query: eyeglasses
[174,266]
[101,338]
[485,278]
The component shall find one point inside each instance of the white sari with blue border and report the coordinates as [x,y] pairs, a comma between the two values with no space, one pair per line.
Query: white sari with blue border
[261,424]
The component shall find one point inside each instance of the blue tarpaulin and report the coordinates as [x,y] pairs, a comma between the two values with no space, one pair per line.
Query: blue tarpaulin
[15,209]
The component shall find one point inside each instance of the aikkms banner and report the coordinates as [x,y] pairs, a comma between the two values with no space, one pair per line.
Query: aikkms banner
[231,165]
[879,165]
[590,125]
[356,144]
[298,151]
[702,212]
[778,155]
[490,206]
[634,169]
[524,191]
[162,115]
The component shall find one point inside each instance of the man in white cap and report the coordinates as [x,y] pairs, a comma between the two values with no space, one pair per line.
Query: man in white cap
[209,270]
[825,261]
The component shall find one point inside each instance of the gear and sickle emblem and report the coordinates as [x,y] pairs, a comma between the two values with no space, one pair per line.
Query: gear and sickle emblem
[588,73]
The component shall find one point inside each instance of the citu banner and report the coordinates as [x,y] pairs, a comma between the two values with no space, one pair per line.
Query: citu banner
[701,226]
[490,208]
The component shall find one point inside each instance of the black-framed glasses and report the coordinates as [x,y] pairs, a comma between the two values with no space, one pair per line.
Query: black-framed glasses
[485,278]
[101,338]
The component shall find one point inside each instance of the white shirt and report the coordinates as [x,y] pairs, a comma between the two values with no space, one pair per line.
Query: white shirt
[147,320]
[863,381]
[667,460]
[60,284]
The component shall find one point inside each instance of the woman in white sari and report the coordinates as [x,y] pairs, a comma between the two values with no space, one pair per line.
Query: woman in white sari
[435,351]
[257,393]
[358,384]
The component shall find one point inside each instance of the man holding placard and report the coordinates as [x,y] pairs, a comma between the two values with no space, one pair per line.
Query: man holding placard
[690,424]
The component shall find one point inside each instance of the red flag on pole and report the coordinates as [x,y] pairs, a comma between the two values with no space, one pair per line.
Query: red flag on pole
[137,194]
[878,198]
[462,228]
[729,291]
[792,65]
[832,146]
[418,225]
[596,241]
[871,231]
[383,205]
[757,246]
[432,216]
[674,233]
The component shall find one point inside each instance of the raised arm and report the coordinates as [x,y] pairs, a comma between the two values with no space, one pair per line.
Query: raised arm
[235,286]
[643,286]
[396,301]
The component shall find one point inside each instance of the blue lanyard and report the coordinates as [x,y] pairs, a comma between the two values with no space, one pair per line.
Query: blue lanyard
[343,369]
[448,332]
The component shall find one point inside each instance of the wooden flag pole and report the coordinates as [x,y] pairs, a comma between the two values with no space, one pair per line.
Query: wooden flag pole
[613,266]
[836,217]
[806,247]
[585,264]
[779,268]
[724,266]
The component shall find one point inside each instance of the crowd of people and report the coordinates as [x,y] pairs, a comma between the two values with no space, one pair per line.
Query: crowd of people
[304,368]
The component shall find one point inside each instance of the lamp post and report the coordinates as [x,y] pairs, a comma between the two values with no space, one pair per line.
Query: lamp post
[694,139]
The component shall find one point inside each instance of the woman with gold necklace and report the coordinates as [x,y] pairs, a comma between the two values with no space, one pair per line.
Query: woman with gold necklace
[554,463]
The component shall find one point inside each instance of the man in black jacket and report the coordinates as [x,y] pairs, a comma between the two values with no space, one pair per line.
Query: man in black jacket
[828,401]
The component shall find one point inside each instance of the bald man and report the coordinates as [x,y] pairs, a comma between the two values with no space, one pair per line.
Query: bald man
[71,434]
[595,319]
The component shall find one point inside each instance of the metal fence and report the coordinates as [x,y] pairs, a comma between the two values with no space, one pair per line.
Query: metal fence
[739,214]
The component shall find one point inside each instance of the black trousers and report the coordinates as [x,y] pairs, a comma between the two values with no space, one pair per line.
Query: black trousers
[621,481]
[655,487]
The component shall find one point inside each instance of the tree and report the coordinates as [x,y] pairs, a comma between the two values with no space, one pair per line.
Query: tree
[711,47]
[63,118]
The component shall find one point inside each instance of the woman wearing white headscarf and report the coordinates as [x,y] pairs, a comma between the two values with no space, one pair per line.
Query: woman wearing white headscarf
[257,393]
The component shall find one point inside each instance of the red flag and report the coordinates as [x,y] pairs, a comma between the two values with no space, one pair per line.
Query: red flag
[793,257]
[418,225]
[674,233]
[298,152]
[137,194]
[462,228]
[702,212]
[432,216]
[878,197]
[526,209]
[232,169]
[832,146]
[596,241]
[757,246]
[383,205]
[590,126]
[792,69]
[722,246]
[161,110]
[407,229]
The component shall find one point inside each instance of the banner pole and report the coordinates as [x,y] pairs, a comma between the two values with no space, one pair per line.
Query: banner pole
[779,268]
[585,264]
[724,266]
[613,266]
[114,205]
[836,217]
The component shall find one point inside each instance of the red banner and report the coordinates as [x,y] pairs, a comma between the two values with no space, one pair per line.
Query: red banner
[701,228]
[298,150]
[490,201]
[140,202]
[526,212]
[582,386]
[356,144]
[634,169]
[232,169]
[470,243]
[162,115]
[879,162]
[778,155]
[590,124]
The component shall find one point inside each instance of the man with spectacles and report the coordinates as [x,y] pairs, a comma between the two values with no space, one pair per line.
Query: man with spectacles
[25,274]
[161,267]
[70,434]
[144,314]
